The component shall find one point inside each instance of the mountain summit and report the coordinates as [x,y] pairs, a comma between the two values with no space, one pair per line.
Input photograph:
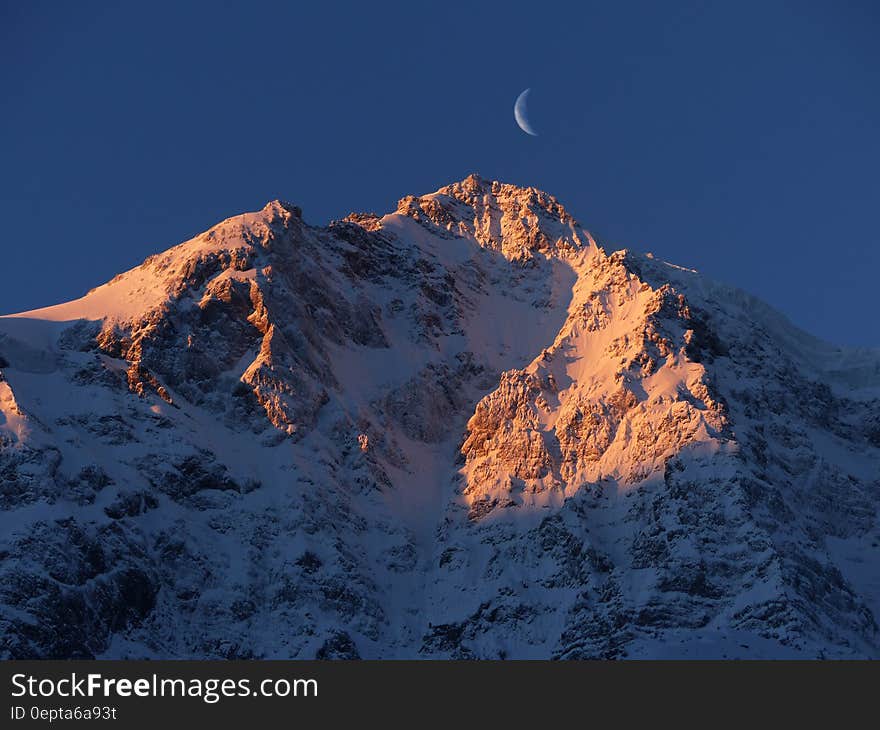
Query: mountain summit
[463,429]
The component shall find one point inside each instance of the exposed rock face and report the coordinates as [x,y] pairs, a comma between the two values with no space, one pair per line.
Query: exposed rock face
[463,429]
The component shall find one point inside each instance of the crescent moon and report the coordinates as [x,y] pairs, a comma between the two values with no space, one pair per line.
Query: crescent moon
[521,114]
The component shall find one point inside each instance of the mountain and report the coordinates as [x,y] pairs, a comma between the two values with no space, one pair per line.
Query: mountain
[463,429]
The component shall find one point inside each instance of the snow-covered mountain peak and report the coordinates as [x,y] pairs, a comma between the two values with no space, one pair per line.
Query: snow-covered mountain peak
[517,221]
[226,250]
[461,429]
[281,208]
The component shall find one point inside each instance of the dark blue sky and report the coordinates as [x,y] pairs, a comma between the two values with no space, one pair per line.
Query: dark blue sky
[739,139]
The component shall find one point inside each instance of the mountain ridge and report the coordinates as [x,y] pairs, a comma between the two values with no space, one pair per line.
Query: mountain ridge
[461,429]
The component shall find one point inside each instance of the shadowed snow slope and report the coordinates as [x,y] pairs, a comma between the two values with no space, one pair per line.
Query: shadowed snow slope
[462,429]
